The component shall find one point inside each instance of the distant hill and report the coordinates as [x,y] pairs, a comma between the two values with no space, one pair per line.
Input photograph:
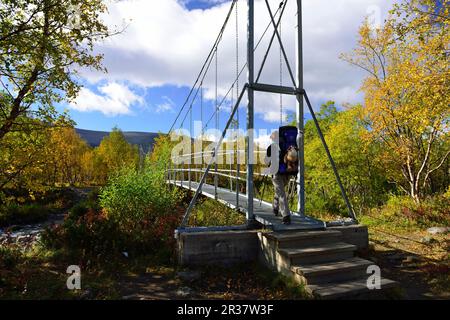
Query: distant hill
[144,140]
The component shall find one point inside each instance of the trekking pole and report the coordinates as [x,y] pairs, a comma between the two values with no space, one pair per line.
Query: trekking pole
[264,188]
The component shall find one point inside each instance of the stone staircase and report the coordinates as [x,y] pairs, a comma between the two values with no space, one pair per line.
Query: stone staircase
[321,260]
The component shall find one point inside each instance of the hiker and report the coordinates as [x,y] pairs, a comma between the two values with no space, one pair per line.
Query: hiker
[280,180]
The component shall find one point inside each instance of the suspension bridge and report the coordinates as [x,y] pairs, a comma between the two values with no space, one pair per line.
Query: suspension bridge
[321,254]
[186,172]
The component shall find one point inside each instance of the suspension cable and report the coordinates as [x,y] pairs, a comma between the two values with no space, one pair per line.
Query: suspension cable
[218,39]
[201,108]
[216,178]
[210,59]
[281,81]
[243,67]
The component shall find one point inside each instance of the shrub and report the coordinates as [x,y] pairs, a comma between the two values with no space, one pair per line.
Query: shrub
[22,214]
[404,211]
[93,232]
[135,212]
[87,230]
[9,257]
[132,197]
[128,221]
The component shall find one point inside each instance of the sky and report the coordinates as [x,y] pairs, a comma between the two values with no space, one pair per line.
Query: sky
[153,63]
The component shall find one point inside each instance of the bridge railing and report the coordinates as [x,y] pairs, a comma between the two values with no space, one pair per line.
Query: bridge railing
[189,175]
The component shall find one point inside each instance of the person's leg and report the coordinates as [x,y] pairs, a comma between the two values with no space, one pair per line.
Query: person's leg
[279,182]
[275,202]
[287,213]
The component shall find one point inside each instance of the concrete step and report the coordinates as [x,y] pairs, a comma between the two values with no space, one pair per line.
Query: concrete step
[302,239]
[348,289]
[320,253]
[335,271]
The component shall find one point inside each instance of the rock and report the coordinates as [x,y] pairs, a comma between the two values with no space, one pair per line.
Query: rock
[184,292]
[189,276]
[438,230]
[21,238]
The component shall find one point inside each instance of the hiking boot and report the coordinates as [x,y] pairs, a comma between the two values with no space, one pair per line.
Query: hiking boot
[287,220]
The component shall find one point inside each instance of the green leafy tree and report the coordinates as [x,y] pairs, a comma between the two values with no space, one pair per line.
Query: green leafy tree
[360,173]
[407,92]
[67,150]
[114,153]
[24,160]
[42,43]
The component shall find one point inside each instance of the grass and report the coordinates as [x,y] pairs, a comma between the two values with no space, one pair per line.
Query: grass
[211,213]
[41,274]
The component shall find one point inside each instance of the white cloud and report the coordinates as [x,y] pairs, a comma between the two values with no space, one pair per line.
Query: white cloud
[114,99]
[166,106]
[165,43]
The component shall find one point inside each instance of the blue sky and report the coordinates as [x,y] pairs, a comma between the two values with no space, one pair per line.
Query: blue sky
[155,61]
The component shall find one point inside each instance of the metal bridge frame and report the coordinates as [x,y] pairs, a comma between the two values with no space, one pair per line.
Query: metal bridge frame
[254,86]
[251,86]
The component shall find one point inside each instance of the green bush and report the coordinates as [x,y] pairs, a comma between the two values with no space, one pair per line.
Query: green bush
[95,234]
[135,212]
[85,229]
[133,196]
[404,211]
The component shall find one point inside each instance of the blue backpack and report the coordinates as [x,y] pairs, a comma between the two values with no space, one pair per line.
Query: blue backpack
[287,140]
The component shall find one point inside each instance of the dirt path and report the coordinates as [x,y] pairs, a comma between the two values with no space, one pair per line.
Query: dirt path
[255,283]
[421,268]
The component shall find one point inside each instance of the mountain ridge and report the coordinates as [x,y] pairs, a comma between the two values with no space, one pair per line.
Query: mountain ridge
[144,140]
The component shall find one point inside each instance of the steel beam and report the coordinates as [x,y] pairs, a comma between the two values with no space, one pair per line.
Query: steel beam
[274,89]
[250,107]
[300,114]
